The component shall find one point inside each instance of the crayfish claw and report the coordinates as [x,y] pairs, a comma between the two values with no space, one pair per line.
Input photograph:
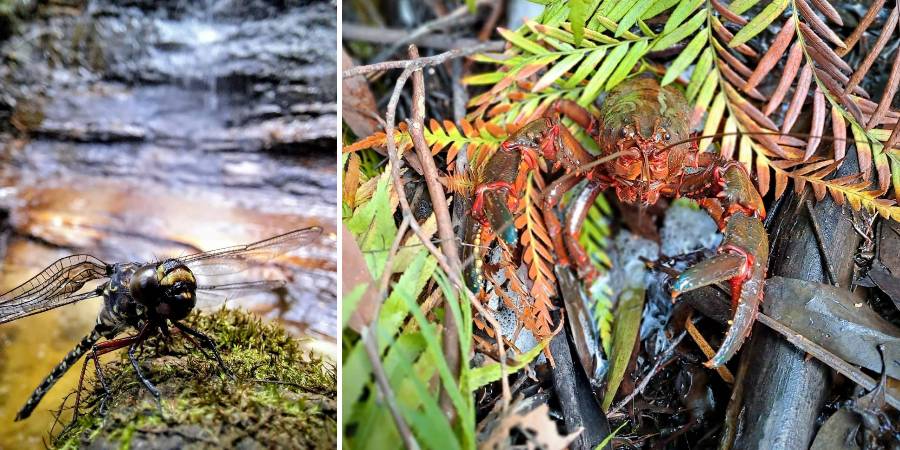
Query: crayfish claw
[717,269]
[742,261]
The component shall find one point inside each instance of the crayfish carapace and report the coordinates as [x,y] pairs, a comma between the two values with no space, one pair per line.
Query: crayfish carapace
[647,152]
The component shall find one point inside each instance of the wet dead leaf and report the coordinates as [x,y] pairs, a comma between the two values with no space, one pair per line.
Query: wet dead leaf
[827,316]
[839,431]
[584,334]
[625,333]
[358,103]
[888,283]
[356,273]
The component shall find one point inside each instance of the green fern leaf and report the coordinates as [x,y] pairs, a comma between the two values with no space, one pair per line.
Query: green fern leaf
[760,22]
[578,14]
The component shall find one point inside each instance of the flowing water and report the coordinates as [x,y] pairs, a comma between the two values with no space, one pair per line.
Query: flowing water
[145,129]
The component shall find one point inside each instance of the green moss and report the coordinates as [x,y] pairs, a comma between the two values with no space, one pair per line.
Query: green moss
[282,398]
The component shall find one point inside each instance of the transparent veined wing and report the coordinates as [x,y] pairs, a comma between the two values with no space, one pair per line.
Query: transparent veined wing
[231,260]
[55,286]
[214,295]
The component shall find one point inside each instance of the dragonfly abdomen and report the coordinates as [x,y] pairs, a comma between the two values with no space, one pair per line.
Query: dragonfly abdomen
[86,344]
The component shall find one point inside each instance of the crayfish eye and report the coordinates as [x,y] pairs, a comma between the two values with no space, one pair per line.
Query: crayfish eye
[662,134]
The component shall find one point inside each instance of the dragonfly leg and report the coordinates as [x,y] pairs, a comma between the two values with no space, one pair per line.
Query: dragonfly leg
[197,345]
[76,413]
[137,370]
[208,343]
[101,349]
[98,369]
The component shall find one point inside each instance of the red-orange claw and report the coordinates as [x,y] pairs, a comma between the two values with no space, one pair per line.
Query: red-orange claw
[739,330]
[478,204]
[719,268]
[745,241]
[742,261]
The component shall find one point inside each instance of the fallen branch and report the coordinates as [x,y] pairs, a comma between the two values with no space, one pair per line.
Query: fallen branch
[416,64]
[377,35]
[450,342]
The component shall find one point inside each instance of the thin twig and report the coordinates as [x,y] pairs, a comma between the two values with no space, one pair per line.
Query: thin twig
[828,358]
[378,35]
[459,15]
[817,231]
[370,342]
[395,164]
[387,395]
[419,63]
[490,24]
[706,348]
[395,247]
[450,342]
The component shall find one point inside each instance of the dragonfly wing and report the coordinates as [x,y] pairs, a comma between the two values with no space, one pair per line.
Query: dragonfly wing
[233,290]
[55,286]
[236,259]
[216,294]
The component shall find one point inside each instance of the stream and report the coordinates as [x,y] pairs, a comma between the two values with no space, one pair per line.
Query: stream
[142,129]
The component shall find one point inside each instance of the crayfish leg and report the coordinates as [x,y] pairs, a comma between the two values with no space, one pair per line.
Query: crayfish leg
[551,199]
[578,114]
[576,213]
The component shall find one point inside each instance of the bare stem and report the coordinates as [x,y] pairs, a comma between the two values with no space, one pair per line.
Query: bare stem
[450,342]
[420,63]
[828,358]
[395,163]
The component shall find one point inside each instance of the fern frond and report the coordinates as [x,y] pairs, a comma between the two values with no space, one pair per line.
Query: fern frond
[537,255]
[853,189]
[594,238]
[461,183]
[480,139]
[572,67]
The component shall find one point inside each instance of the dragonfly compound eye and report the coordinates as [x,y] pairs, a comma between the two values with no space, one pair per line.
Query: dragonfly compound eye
[178,294]
[144,285]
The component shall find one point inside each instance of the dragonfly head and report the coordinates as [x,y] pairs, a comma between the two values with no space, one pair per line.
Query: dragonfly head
[167,289]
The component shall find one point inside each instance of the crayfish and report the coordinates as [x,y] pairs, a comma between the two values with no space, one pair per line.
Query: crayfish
[647,152]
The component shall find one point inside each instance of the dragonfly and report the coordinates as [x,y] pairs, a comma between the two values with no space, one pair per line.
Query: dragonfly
[141,296]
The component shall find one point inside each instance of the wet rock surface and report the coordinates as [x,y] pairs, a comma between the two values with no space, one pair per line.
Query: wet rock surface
[136,130]
[196,109]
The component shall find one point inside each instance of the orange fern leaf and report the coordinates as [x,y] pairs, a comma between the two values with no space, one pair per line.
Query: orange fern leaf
[536,254]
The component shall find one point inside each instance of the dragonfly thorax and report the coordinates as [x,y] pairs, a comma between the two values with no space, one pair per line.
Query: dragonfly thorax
[167,289]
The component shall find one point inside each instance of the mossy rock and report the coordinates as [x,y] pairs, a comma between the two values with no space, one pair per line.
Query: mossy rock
[295,407]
